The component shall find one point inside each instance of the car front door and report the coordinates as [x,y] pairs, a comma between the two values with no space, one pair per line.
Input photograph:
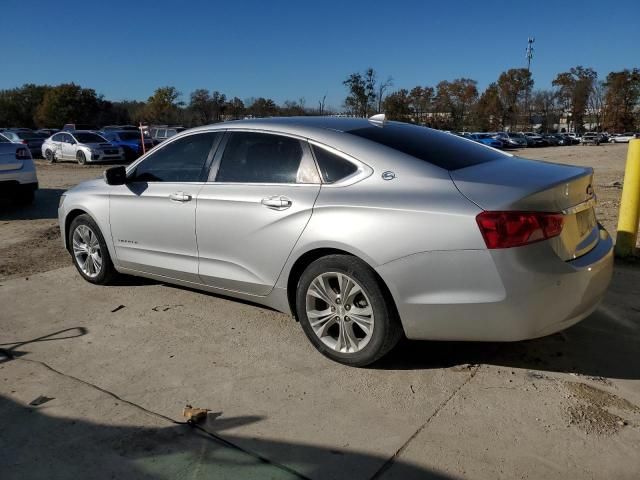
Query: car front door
[260,196]
[153,215]
[68,146]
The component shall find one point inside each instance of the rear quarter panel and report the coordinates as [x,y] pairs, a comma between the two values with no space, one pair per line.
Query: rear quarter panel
[381,221]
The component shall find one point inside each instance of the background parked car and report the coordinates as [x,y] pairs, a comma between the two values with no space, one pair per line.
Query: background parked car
[486,139]
[120,127]
[622,137]
[82,146]
[508,141]
[591,138]
[160,134]
[18,180]
[70,127]
[550,140]
[26,137]
[47,131]
[129,140]
[534,140]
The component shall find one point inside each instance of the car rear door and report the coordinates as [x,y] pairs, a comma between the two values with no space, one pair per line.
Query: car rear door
[250,214]
[152,216]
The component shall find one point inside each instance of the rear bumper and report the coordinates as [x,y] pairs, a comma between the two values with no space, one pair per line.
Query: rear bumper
[26,174]
[500,295]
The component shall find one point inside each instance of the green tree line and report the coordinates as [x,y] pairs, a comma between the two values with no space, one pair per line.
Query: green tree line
[578,96]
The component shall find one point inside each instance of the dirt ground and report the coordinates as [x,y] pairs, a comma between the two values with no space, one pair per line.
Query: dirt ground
[31,241]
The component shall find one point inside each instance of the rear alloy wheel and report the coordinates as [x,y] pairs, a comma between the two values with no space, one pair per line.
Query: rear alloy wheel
[344,311]
[89,251]
[80,157]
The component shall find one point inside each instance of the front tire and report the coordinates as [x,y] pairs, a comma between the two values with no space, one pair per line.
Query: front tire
[49,156]
[345,311]
[89,251]
[81,158]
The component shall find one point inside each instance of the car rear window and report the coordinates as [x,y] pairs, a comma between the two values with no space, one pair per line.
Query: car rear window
[438,148]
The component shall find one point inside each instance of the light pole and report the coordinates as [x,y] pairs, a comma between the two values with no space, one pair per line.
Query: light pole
[529,50]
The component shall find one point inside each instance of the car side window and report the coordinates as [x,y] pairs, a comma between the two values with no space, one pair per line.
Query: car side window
[3,139]
[333,168]
[66,138]
[57,137]
[265,158]
[182,160]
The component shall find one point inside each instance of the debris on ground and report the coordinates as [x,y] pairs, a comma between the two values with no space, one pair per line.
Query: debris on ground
[119,307]
[591,409]
[194,415]
[40,400]
[164,308]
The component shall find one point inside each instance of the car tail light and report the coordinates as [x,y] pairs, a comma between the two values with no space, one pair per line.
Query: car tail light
[513,229]
[22,154]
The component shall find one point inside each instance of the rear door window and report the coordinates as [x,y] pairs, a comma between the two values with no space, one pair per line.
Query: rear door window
[438,148]
[265,158]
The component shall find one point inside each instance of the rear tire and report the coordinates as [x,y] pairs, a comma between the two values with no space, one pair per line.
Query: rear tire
[89,251]
[345,311]
[81,158]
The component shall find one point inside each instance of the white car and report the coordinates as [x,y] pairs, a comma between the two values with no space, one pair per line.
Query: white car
[82,146]
[622,138]
[18,179]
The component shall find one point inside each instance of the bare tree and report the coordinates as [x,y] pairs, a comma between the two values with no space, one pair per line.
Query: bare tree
[321,104]
[383,87]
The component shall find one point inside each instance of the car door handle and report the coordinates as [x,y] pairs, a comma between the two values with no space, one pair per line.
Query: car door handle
[277,202]
[180,197]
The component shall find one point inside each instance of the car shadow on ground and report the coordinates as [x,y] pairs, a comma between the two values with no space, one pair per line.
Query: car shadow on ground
[605,344]
[45,206]
[38,445]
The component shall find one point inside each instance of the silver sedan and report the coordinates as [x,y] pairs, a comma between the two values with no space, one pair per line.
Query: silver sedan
[363,230]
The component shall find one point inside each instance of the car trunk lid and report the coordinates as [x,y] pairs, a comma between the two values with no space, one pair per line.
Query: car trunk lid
[517,184]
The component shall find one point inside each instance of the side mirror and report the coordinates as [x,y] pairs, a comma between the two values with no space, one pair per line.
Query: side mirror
[115,175]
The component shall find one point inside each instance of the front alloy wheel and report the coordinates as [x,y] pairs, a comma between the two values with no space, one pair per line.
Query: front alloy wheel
[89,250]
[86,250]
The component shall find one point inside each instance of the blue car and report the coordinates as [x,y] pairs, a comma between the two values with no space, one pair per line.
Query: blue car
[129,140]
[486,139]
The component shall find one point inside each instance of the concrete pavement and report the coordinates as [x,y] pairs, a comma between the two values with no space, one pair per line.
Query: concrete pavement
[120,362]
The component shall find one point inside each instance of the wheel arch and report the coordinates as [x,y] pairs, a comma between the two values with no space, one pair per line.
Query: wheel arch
[310,256]
[73,214]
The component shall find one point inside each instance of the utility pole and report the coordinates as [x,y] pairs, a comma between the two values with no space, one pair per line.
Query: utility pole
[529,50]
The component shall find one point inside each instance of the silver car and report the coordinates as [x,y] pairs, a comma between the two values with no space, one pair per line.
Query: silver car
[82,146]
[363,230]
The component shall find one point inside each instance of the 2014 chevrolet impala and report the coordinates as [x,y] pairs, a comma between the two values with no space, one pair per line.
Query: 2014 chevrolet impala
[362,229]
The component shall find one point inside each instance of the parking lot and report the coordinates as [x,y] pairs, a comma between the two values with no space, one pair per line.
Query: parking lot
[113,367]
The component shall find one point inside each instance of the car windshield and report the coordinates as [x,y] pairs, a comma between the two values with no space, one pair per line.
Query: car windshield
[516,135]
[438,148]
[87,137]
[484,135]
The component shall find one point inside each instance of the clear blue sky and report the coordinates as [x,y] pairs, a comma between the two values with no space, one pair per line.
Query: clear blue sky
[292,49]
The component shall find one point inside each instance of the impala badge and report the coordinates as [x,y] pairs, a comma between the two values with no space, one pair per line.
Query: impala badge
[388,175]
